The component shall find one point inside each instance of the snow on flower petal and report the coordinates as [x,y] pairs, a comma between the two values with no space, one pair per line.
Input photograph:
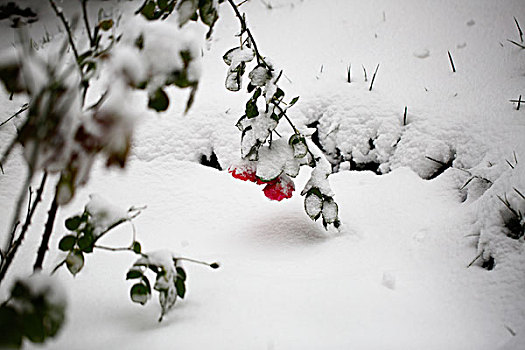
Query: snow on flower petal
[279,189]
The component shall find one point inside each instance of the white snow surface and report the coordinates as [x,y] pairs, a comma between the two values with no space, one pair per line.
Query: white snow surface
[395,276]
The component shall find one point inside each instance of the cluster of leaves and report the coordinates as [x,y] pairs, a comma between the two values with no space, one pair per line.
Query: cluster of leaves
[274,161]
[82,238]
[186,9]
[87,228]
[32,311]
[514,217]
[170,281]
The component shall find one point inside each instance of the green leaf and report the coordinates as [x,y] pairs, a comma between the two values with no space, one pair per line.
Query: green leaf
[85,243]
[186,10]
[148,10]
[251,109]
[278,94]
[106,25]
[73,223]
[134,273]
[139,293]
[67,243]
[34,327]
[181,273]
[159,101]
[136,247]
[227,57]
[181,287]
[207,12]
[294,101]
[75,261]
[10,324]
[162,4]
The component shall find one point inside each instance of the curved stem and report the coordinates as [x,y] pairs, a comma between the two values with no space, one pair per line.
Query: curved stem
[244,28]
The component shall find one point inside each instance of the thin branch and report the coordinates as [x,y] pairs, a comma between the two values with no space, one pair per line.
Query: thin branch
[519,29]
[21,110]
[435,160]
[515,43]
[364,70]
[475,259]
[451,62]
[244,28]
[118,249]
[282,112]
[86,23]
[60,14]
[44,245]
[373,78]
[212,265]
[10,254]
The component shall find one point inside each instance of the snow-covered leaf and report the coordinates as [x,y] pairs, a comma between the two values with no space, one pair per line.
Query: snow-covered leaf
[330,210]
[186,10]
[259,76]
[139,293]
[313,204]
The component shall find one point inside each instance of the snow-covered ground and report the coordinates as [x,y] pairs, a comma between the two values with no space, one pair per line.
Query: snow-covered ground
[395,276]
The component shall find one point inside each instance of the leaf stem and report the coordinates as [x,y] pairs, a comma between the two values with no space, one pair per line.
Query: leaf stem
[244,28]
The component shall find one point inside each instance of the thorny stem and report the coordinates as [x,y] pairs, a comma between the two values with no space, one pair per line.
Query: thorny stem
[8,258]
[44,245]
[244,28]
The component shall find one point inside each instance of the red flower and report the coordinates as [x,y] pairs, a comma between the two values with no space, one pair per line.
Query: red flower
[245,173]
[276,189]
[279,189]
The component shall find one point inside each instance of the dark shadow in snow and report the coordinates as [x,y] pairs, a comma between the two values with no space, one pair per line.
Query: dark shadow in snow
[288,231]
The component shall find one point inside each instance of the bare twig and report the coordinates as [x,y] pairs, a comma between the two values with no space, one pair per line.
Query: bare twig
[86,23]
[405,116]
[515,43]
[348,73]
[373,78]
[10,254]
[451,62]
[518,101]
[60,15]
[519,29]
[366,76]
[475,259]
[212,265]
[244,28]
[24,107]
